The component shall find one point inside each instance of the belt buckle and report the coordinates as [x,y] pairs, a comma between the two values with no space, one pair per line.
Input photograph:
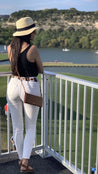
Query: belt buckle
[27,78]
[35,79]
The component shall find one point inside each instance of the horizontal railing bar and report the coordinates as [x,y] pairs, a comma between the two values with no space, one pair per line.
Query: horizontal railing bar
[5,74]
[73,79]
[50,73]
[77,80]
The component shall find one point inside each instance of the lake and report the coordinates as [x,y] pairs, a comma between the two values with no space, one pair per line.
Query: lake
[78,56]
[81,56]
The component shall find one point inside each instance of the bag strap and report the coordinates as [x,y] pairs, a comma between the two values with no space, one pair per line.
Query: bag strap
[22,84]
[20,79]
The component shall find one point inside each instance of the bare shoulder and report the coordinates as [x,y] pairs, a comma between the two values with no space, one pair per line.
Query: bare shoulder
[33,49]
[9,52]
[8,48]
[34,56]
[32,53]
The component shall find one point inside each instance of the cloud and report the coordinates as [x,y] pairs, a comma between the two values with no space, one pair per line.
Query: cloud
[90,0]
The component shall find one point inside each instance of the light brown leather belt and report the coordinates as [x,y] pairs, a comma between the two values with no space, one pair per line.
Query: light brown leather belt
[26,78]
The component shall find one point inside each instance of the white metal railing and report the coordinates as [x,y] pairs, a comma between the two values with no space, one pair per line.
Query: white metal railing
[67,121]
[59,131]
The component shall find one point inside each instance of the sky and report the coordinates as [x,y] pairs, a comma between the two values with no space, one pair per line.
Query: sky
[10,6]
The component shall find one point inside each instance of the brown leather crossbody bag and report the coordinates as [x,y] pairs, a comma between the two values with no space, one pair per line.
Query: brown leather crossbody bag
[30,98]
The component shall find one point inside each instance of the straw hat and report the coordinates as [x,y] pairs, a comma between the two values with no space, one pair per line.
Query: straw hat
[25,26]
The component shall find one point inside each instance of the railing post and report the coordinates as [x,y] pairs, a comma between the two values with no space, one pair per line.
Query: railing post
[8,124]
[77,126]
[60,118]
[45,115]
[83,133]
[0,129]
[42,110]
[71,124]
[55,116]
[97,151]
[50,121]
[90,134]
[65,119]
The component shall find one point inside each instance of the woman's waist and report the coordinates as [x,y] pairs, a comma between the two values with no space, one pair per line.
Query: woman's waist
[26,78]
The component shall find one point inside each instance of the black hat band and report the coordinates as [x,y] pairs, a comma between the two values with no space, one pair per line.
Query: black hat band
[26,28]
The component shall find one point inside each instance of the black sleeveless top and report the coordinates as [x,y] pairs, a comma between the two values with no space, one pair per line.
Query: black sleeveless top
[26,68]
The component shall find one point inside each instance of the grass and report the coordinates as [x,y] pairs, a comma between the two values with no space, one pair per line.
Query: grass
[5,68]
[67,64]
[3,83]
[3,56]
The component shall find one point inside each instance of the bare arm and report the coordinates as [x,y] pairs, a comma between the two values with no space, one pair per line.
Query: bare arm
[9,52]
[33,56]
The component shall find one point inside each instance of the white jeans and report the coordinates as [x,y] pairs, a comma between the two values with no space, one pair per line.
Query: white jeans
[15,96]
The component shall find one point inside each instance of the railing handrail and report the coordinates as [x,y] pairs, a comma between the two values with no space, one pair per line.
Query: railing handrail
[73,79]
[5,74]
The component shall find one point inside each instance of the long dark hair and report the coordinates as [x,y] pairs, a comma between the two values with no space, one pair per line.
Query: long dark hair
[16,45]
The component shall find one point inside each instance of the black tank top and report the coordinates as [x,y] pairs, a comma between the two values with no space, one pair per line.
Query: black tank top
[26,68]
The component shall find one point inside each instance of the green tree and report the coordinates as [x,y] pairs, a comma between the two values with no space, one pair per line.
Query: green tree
[44,40]
[60,41]
[67,41]
[94,44]
[37,40]
[73,40]
[52,43]
[84,42]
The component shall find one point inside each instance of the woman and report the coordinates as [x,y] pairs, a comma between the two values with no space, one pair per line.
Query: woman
[25,65]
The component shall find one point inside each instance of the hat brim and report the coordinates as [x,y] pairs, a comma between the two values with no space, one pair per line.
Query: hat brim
[25,32]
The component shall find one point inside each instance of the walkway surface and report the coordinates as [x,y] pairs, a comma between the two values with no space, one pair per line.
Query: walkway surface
[40,165]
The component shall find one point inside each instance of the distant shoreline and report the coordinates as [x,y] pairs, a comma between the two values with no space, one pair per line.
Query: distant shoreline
[67,64]
[61,64]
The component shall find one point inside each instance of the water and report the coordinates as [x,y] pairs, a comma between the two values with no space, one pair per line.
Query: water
[3,49]
[79,56]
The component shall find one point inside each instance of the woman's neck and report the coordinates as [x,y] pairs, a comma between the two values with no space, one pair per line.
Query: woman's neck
[24,46]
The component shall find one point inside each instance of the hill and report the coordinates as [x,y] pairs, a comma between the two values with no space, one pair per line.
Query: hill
[56,19]
[58,28]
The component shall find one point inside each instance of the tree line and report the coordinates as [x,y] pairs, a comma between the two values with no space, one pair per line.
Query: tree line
[57,38]
[69,38]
